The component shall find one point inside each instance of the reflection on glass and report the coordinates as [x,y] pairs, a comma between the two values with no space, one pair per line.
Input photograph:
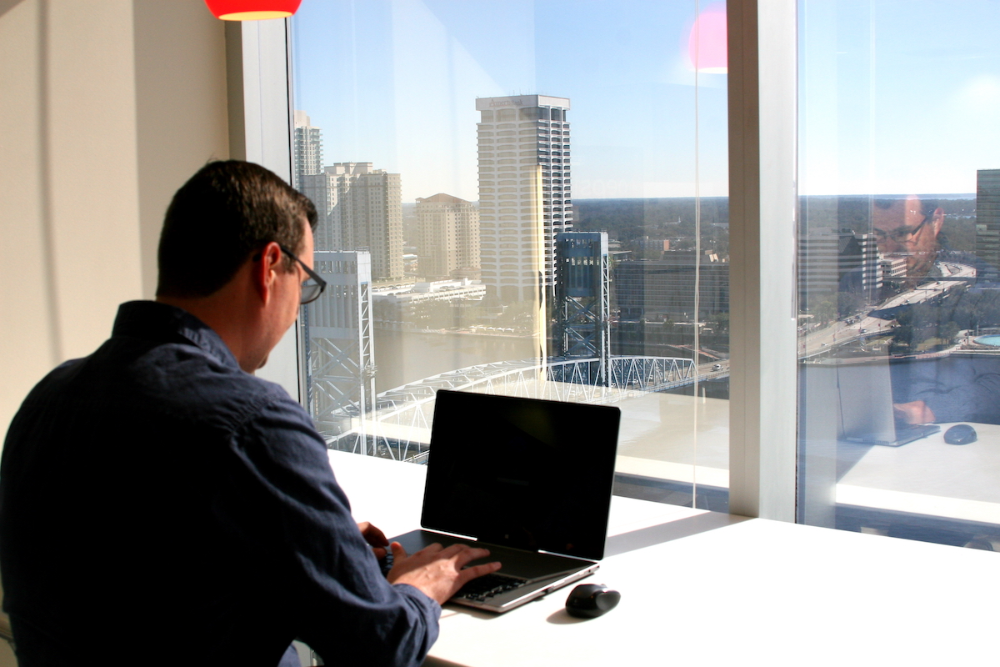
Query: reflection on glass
[898,291]
[526,199]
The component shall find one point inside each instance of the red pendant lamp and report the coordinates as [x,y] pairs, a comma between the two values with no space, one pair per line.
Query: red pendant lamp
[252,10]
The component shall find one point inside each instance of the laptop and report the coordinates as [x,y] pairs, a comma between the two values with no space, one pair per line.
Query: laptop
[866,410]
[528,479]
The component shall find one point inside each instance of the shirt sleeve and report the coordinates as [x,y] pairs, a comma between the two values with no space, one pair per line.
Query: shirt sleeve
[346,610]
[957,392]
[977,400]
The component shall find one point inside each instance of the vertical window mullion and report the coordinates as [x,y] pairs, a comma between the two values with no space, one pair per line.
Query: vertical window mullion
[762,182]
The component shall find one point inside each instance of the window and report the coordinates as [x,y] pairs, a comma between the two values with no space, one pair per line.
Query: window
[664,221]
[899,298]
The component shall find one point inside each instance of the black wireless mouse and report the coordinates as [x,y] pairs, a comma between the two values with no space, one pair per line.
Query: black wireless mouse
[960,434]
[591,600]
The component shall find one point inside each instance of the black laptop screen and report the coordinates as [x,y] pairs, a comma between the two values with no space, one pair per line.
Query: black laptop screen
[522,472]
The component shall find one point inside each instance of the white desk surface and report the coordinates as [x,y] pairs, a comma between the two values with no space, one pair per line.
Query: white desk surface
[721,590]
[930,477]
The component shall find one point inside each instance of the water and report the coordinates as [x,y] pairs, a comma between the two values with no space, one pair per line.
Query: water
[989,340]
[403,357]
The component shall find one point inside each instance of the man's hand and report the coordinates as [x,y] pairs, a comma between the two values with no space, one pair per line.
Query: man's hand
[914,412]
[437,571]
[375,537]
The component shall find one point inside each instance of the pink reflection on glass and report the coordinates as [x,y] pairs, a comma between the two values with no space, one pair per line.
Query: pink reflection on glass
[707,41]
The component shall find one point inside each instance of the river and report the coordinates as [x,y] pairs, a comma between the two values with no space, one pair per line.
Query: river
[403,356]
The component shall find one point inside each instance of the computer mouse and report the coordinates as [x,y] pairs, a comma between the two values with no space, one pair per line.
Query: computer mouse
[960,434]
[591,600]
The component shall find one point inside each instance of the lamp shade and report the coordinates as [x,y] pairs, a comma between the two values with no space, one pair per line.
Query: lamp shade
[252,10]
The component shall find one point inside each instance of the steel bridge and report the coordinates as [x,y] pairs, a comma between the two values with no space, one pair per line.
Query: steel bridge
[399,428]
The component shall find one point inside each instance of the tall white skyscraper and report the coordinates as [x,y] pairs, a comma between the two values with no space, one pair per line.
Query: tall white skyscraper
[524,191]
[308,149]
[447,237]
[360,208]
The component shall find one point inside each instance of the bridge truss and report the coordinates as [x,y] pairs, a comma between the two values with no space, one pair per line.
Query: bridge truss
[399,427]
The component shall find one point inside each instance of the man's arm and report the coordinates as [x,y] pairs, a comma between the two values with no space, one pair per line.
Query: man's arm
[345,608]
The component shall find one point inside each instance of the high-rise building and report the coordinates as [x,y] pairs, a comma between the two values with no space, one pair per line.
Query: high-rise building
[988,221]
[360,208]
[524,191]
[831,262]
[308,149]
[447,237]
[658,288]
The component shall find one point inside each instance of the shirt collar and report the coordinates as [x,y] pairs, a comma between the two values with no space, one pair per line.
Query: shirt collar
[160,321]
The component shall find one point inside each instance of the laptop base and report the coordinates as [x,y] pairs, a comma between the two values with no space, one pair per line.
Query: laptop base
[541,573]
[904,435]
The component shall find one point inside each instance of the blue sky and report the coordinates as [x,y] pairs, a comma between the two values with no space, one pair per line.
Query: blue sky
[898,96]
[895,96]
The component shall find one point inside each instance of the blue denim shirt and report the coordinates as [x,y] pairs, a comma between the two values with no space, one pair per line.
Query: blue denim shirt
[159,505]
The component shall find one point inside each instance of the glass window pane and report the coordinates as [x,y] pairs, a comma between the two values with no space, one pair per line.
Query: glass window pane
[468,246]
[898,292]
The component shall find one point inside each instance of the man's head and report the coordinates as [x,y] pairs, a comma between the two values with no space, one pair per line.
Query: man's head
[225,213]
[227,255]
[909,227]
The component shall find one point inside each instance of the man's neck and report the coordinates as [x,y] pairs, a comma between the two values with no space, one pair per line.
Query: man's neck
[227,317]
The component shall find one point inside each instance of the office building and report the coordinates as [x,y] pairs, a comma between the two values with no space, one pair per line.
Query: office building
[524,191]
[665,288]
[360,208]
[447,237]
[988,220]
[832,262]
[307,149]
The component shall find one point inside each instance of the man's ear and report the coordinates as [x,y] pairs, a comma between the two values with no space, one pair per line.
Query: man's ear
[265,270]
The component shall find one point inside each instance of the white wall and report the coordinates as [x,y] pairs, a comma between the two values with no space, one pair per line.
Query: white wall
[107,107]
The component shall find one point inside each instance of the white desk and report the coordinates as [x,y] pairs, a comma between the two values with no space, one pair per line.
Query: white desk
[722,590]
[930,477]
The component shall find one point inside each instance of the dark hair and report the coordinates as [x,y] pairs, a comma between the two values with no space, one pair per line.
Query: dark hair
[225,212]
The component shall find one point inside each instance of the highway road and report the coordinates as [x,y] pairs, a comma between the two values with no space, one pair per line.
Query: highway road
[839,333]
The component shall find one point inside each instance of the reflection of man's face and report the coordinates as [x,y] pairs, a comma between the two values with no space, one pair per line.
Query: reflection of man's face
[905,229]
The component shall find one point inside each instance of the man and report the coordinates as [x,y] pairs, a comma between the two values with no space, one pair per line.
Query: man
[934,390]
[909,227]
[160,505]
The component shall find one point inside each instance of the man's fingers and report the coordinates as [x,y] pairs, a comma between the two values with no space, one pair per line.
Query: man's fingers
[476,571]
[373,535]
[469,554]
[398,552]
[376,537]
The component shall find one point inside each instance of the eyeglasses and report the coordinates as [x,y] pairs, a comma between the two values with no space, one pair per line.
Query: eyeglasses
[313,286]
[899,233]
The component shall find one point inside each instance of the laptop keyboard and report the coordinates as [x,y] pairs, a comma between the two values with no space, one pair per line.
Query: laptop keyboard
[487,586]
[477,590]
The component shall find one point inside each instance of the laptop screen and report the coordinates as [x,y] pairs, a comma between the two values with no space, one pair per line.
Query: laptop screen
[522,472]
